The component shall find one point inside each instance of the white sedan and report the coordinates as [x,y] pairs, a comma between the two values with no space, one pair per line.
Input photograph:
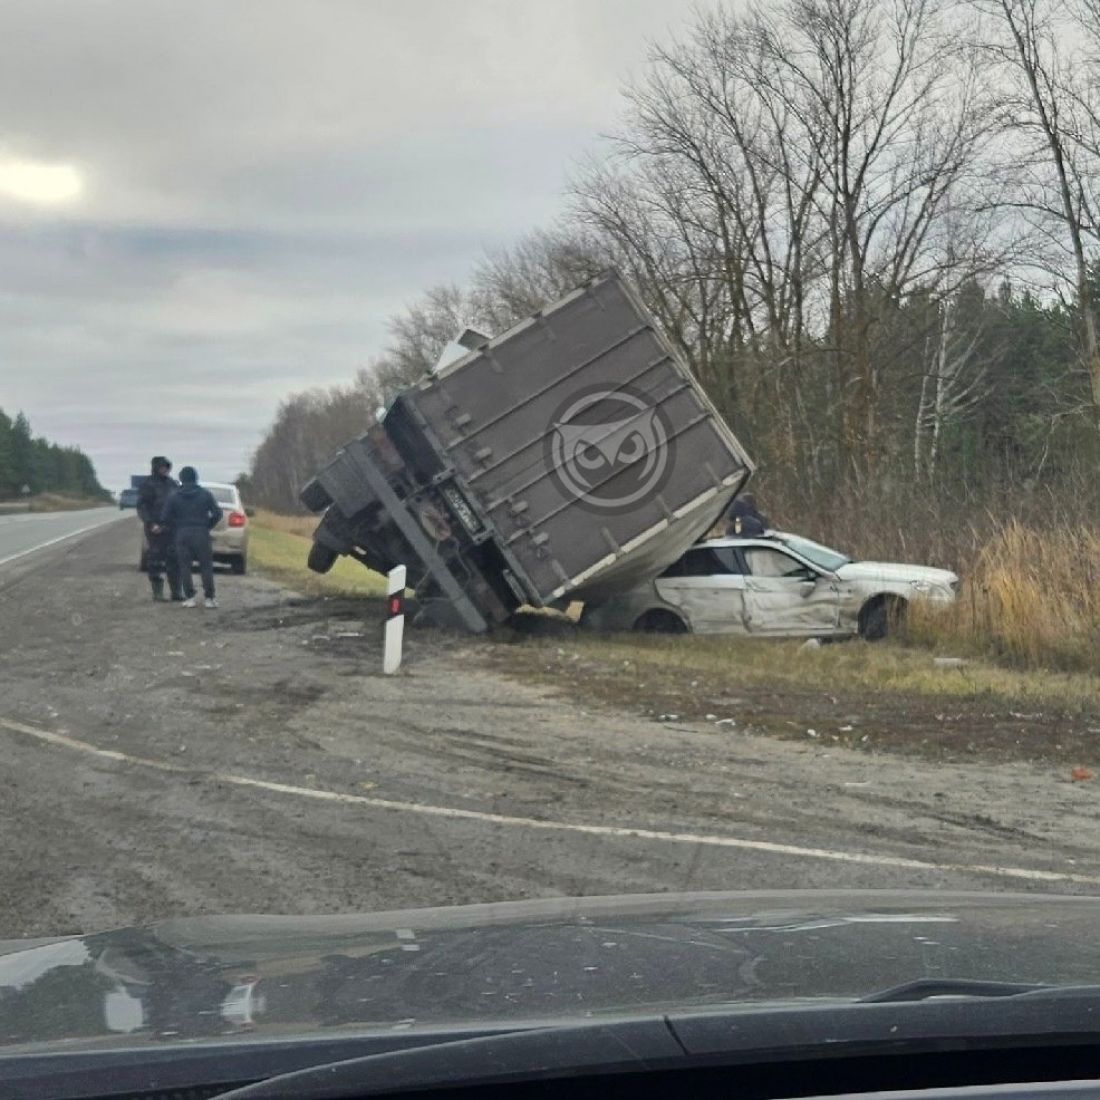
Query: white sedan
[779,585]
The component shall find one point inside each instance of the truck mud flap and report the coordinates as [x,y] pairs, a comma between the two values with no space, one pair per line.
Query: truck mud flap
[314,496]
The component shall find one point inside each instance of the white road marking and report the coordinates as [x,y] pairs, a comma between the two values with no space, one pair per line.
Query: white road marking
[619,832]
[60,538]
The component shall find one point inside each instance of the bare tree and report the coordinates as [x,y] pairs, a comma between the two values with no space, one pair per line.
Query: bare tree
[512,283]
[893,113]
[955,376]
[787,173]
[308,428]
[711,204]
[1050,64]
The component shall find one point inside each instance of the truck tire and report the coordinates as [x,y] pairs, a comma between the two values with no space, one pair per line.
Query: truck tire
[321,558]
[659,621]
[315,497]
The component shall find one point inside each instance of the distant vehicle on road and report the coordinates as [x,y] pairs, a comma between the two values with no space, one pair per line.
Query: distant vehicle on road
[230,536]
[127,498]
[779,586]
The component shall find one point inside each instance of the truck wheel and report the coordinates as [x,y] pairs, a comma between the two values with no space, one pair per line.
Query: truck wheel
[321,558]
[659,621]
[881,617]
[239,565]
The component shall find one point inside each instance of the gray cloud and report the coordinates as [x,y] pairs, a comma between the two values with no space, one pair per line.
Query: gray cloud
[265,182]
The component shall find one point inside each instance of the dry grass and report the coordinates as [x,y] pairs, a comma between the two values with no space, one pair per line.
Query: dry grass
[870,697]
[1031,599]
[61,502]
[303,526]
[730,663]
[279,546]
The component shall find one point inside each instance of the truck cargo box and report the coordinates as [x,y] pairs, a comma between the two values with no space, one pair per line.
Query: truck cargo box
[570,456]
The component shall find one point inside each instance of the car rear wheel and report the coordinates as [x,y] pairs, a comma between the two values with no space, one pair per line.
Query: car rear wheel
[659,621]
[239,565]
[143,561]
[881,617]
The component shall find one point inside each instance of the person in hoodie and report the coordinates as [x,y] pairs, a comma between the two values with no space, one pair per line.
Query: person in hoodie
[160,553]
[192,513]
[745,519]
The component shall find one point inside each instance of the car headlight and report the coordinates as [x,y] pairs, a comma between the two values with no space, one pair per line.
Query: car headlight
[936,591]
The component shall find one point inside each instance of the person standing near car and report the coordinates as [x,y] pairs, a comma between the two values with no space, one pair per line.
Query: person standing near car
[745,519]
[192,513]
[160,552]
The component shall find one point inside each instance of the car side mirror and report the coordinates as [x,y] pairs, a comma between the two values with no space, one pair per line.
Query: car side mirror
[250,512]
[807,587]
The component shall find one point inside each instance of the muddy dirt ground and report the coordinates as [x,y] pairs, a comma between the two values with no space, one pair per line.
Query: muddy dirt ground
[938,727]
[456,781]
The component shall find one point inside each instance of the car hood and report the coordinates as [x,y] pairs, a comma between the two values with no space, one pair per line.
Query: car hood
[895,572]
[523,963]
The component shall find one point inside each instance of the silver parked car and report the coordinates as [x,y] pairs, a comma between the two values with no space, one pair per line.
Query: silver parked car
[780,585]
[230,536]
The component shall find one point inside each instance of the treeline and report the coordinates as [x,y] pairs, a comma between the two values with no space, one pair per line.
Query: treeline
[872,229]
[30,464]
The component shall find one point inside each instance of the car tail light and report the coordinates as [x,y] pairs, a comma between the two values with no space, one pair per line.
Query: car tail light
[237,519]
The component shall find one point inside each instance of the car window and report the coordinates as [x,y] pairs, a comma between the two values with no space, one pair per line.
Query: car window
[728,560]
[705,561]
[224,494]
[763,562]
[818,554]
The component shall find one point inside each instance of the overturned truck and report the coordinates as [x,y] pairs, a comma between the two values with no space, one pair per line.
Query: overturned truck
[569,457]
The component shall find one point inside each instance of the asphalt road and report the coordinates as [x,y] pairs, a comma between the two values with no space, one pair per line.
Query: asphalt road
[24,533]
[168,762]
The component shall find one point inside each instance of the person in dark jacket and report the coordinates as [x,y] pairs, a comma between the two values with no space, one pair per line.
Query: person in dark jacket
[192,513]
[160,552]
[745,519]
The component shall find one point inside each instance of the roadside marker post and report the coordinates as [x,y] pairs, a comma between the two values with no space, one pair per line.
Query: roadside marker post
[394,629]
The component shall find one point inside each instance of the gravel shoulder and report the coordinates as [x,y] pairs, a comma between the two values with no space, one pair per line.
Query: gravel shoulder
[288,690]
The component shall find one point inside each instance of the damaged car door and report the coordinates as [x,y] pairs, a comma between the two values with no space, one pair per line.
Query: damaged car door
[708,585]
[786,596]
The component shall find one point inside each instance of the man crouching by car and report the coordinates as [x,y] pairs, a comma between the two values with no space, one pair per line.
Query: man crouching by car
[192,513]
[160,553]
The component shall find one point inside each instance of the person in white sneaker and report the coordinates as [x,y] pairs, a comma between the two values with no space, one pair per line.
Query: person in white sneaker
[192,512]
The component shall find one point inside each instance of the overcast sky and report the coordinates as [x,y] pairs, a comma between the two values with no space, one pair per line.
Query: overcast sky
[207,204]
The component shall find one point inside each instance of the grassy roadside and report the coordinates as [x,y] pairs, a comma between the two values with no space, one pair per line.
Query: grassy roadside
[1031,599]
[279,546]
[884,696]
[887,696]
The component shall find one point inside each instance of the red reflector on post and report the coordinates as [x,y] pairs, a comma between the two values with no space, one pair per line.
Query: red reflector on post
[236,519]
[393,629]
